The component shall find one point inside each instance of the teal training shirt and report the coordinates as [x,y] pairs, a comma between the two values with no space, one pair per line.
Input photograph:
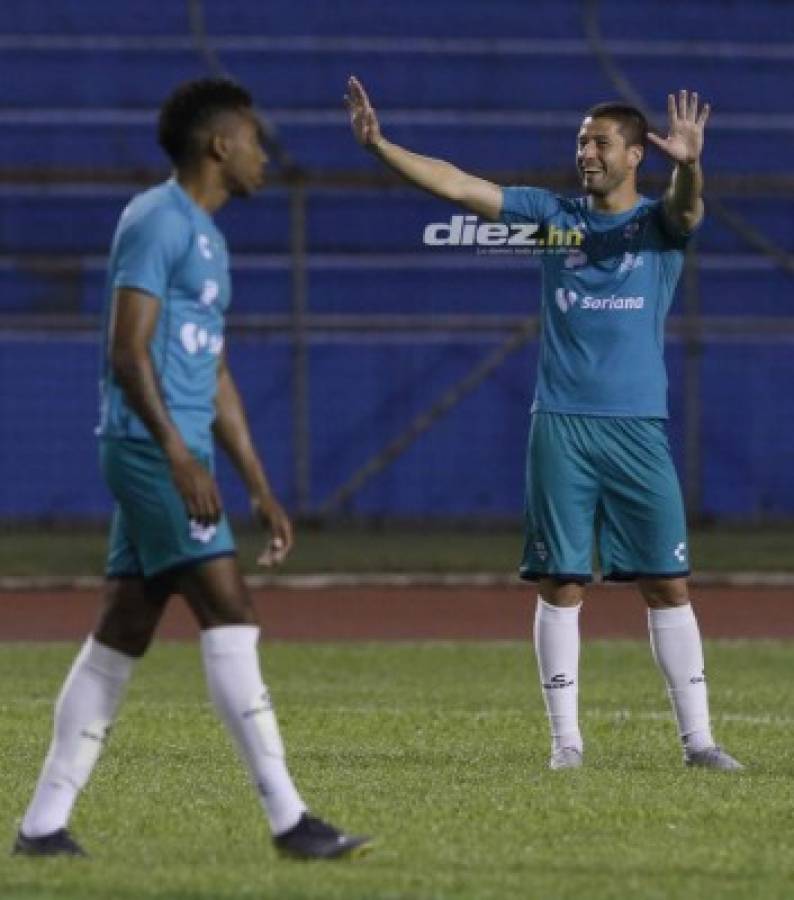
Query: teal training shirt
[607,286]
[167,246]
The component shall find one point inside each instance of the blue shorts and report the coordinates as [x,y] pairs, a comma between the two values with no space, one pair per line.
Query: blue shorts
[608,476]
[151,532]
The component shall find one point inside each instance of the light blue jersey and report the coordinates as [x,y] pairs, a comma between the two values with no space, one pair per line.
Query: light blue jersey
[607,286]
[167,246]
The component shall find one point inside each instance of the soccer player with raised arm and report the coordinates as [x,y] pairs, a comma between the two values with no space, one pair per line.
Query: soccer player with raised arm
[167,391]
[598,460]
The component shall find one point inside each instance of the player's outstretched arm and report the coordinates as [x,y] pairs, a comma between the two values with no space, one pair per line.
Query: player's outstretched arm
[135,315]
[433,175]
[683,201]
[233,434]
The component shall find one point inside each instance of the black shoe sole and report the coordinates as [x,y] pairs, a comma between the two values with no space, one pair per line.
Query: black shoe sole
[348,853]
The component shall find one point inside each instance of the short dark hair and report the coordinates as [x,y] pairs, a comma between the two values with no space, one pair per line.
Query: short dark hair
[190,107]
[632,123]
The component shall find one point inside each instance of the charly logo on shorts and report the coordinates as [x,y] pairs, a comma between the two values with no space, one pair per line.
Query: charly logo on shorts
[541,550]
[202,533]
[680,552]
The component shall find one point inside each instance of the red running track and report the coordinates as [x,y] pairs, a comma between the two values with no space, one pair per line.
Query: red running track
[414,613]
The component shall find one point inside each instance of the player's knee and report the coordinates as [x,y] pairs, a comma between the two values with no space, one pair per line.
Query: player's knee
[664,593]
[561,593]
[130,617]
[129,636]
[217,611]
[216,605]
[217,594]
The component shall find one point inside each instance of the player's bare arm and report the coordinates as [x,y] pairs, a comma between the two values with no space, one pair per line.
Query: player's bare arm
[683,201]
[134,321]
[234,436]
[432,175]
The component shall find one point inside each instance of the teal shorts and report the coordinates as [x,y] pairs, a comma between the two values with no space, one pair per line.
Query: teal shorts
[151,532]
[609,477]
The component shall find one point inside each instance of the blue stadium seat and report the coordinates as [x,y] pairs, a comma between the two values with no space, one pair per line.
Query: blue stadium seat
[129,143]
[763,20]
[141,76]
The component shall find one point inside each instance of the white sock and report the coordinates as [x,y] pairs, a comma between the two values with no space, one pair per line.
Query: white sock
[678,651]
[85,708]
[557,650]
[243,702]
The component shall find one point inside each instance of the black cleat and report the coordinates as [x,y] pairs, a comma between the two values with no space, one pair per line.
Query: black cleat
[312,838]
[57,843]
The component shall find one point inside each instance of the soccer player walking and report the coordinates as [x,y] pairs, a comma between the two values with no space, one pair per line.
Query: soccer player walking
[598,459]
[166,392]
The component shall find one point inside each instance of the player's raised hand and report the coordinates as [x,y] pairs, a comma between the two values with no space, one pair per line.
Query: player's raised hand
[684,141]
[363,119]
[272,516]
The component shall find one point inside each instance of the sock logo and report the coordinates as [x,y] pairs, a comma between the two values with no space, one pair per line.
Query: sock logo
[558,681]
[265,705]
[698,679]
[261,787]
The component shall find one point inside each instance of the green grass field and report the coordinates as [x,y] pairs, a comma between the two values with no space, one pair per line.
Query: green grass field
[439,750]
[345,548]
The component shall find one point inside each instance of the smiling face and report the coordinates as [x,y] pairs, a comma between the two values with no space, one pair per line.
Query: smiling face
[604,162]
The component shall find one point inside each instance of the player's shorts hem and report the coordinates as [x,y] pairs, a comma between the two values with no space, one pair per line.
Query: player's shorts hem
[120,576]
[174,568]
[561,577]
[633,576]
